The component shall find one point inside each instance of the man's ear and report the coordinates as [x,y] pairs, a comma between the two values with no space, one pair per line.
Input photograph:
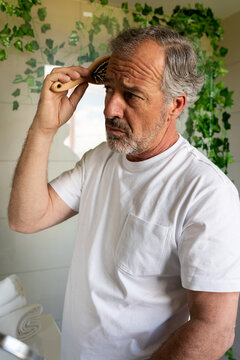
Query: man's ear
[176,107]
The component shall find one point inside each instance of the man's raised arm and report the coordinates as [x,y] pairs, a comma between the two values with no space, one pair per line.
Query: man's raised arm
[34,205]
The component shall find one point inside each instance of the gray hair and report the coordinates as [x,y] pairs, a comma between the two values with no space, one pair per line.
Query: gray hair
[180,74]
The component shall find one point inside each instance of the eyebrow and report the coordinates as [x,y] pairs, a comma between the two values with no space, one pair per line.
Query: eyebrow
[134,89]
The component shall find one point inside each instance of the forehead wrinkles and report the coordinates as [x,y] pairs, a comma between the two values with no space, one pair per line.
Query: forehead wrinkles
[129,69]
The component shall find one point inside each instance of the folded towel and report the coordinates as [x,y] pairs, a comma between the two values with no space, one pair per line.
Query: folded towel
[12,305]
[10,288]
[22,323]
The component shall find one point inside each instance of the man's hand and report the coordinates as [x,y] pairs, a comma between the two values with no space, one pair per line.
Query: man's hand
[33,204]
[55,109]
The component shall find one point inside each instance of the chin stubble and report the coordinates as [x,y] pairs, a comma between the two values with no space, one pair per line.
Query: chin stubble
[125,144]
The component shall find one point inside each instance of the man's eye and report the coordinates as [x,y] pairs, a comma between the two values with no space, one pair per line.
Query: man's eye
[130,95]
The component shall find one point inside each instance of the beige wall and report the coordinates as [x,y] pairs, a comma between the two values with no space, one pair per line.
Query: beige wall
[40,260]
[232,42]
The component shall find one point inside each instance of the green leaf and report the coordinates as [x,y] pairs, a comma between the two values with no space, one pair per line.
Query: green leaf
[125,23]
[29,47]
[59,63]
[5,41]
[35,90]
[159,11]
[229,161]
[225,118]
[147,10]
[16,93]
[3,55]
[45,28]
[40,71]
[104,2]
[39,83]
[32,63]
[90,35]
[79,25]
[54,50]
[18,45]
[6,30]
[49,43]
[26,29]
[83,59]
[30,80]
[3,6]
[137,17]
[26,16]
[102,46]
[138,7]
[124,7]
[154,20]
[28,71]
[18,79]
[93,54]
[42,13]
[223,51]
[35,45]
[176,9]
[73,39]
[15,105]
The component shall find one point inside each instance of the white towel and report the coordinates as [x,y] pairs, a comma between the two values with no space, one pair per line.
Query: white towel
[22,323]
[12,305]
[10,288]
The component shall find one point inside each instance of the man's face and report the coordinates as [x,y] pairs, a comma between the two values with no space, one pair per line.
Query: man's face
[135,111]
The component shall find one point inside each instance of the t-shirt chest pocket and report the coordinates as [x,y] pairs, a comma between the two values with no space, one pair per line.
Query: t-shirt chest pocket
[141,247]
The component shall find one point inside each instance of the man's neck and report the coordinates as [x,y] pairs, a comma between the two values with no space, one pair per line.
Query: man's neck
[169,138]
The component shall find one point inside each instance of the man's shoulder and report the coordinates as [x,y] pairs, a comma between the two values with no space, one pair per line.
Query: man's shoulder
[100,152]
[199,166]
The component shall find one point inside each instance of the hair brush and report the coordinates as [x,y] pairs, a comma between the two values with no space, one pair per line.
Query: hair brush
[97,76]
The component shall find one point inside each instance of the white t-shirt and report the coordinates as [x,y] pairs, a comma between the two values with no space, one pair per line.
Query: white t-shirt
[147,230]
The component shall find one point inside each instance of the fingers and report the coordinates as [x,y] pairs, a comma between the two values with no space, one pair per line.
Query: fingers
[64,75]
[78,94]
[74,71]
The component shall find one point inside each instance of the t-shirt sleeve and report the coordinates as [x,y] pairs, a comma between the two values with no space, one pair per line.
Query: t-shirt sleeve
[209,248]
[69,185]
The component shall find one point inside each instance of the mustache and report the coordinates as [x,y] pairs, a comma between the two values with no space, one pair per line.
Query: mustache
[117,123]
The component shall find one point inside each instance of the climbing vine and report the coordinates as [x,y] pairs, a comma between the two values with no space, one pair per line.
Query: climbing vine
[208,119]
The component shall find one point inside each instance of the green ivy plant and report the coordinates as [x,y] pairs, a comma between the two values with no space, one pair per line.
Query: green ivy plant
[208,119]
[17,35]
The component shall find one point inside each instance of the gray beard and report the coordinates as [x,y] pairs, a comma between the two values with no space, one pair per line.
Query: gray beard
[125,144]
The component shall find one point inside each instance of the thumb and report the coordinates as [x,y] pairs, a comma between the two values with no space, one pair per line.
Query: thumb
[77,94]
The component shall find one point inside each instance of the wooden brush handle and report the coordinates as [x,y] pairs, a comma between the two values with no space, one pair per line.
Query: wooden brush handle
[97,74]
[59,87]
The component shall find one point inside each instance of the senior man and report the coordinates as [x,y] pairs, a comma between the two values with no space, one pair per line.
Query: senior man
[155,272]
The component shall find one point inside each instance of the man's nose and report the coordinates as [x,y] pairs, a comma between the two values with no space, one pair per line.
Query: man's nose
[114,106]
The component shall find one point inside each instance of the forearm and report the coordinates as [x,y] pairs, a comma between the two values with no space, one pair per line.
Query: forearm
[29,197]
[196,340]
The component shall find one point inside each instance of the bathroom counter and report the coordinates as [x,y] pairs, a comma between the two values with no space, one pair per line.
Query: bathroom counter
[48,341]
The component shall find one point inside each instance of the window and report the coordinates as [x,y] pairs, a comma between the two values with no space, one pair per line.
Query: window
[87,125]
